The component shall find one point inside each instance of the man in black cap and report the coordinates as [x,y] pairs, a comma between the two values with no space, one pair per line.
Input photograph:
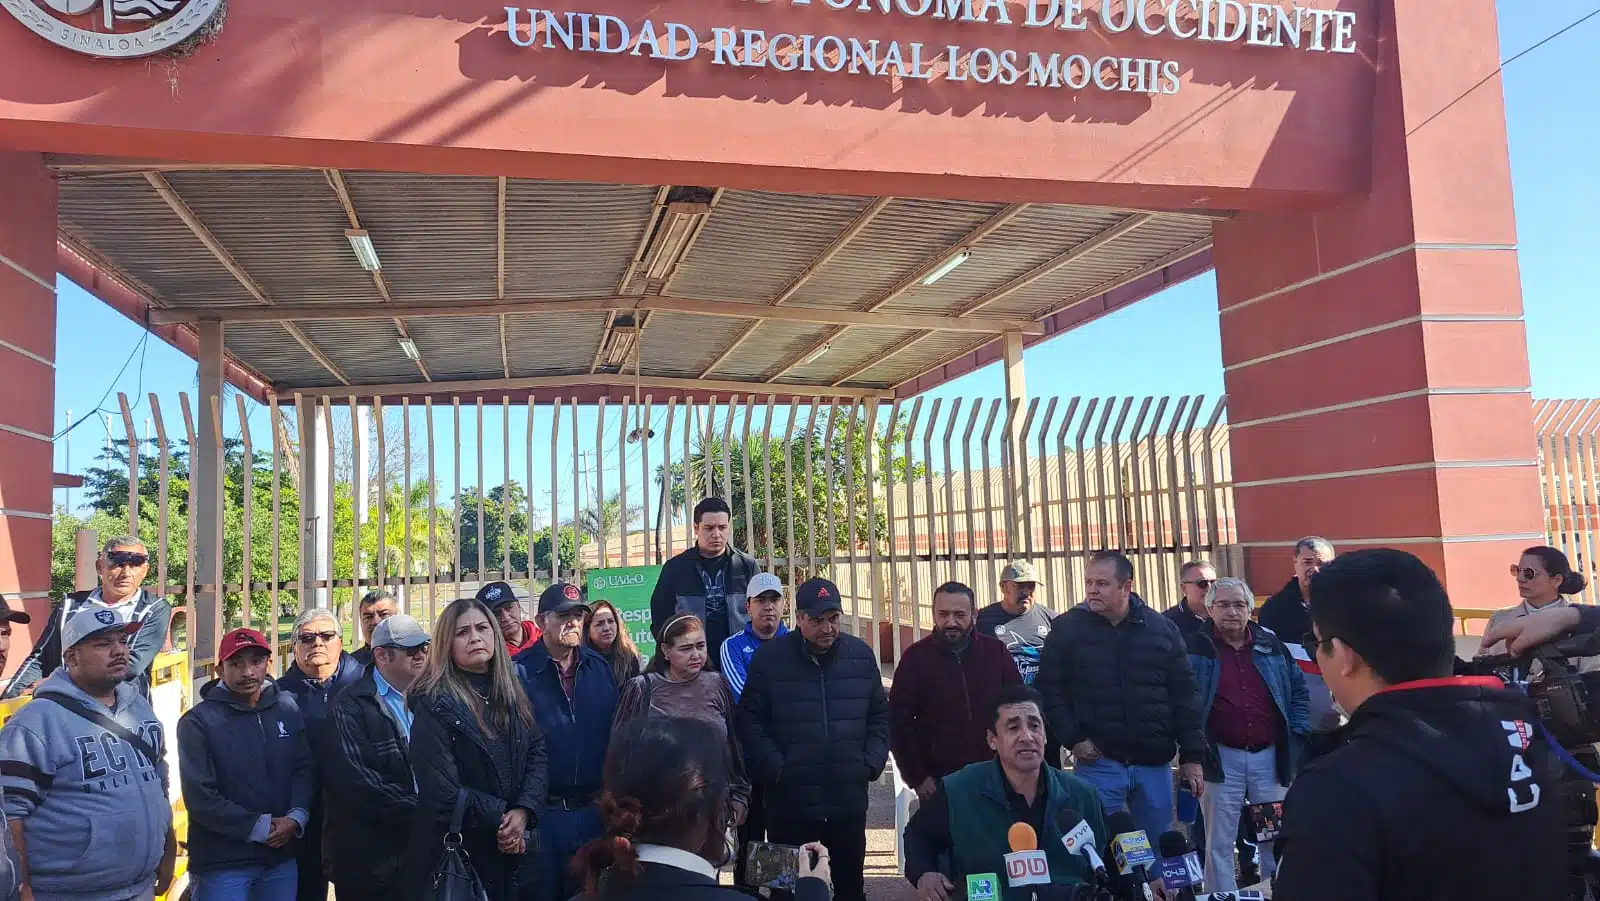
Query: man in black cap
[574,699]
[502,601]
[7,617]
[814,718]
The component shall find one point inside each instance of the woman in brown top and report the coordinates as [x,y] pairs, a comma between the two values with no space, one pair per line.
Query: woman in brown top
[676,683]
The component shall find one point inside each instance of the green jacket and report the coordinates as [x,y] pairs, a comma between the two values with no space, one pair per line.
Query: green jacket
[980,817]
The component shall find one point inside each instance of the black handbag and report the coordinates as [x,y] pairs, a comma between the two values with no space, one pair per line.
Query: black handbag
[455,879]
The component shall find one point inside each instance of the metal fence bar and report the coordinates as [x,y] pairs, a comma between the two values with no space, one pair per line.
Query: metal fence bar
[811,493]
[622,474]
[433,518]
[188,570]
[952,531]
[133,465]
[874,560]
[577,494]
[647,431]
[973,581]
[830,491]
[455,508]
[744,469]
[727,451]
[483,563]
[1061,573]
[667,480]
[599,500]
[505,491]
[989,585]
[930,510]
[405,508]
[532,409]
[891,582]
[163,487]
[1046,528]
[555,494]
[851,545]
[1024,479]
[327,410]
[792,553]
[766,481]
[275,414]
[381,521]
[247,559]
[912,557]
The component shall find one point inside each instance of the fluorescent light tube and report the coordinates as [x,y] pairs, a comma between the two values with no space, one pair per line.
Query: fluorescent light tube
[947,267]
[410,347]
[815,355]
[361,243]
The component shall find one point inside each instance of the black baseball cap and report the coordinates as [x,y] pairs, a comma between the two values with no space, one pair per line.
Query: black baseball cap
[496,594]
[561,597]
[9,614]
[817,597]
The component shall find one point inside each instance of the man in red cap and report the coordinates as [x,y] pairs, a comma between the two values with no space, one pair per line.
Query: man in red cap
[246,769]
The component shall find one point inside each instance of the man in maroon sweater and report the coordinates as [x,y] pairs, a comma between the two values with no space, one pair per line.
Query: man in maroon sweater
[942,692]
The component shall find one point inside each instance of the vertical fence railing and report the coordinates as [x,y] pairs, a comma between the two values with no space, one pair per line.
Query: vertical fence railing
[1569,441]
[888,499]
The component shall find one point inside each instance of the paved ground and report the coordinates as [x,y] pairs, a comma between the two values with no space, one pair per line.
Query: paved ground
[884,880]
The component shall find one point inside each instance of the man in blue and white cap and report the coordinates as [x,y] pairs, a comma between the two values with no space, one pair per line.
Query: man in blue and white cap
[763,607]
[83,773]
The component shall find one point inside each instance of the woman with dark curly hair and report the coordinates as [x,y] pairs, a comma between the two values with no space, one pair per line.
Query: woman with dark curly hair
[666,812]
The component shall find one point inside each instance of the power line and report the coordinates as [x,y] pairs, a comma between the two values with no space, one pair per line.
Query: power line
[1506,62]
[98,407]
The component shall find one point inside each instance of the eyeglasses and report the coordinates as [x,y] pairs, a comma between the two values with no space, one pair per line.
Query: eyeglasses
[1230,605]
[1526,574]
[1310,640]
[313,637]
[1205,584]
[420,650]
[134,559]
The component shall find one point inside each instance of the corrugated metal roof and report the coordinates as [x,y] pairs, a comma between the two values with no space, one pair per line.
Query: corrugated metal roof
[906,236]
[437,238]
[285,228]
[437,235]
[124,220]
[795,230]
[569,239]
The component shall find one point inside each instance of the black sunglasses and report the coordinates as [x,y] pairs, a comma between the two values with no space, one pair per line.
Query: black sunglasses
[313,637]
[420,650]
[1205,584]
[126,558]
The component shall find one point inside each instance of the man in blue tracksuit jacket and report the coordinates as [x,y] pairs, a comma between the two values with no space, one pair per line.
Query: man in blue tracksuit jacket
[574,698]
[245,765]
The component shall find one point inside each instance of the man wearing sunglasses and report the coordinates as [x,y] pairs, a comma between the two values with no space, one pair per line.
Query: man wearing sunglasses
[1442,786]
[372,794]
[122,567]
[1189,614]
[321,669]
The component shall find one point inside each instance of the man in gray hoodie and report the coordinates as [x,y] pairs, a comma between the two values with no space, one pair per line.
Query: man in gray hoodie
[84,777]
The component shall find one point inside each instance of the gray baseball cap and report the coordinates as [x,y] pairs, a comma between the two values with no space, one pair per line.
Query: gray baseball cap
[93,620]
[399,631]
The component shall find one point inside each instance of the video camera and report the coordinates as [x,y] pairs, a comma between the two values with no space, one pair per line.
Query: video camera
[1567,702]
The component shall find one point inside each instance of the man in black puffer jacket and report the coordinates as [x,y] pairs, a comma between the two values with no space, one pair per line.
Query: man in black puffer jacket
[709,580]
[814,718]
[1119,692]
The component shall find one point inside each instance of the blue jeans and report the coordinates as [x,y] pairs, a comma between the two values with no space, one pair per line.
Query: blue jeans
[1144,791]
[561,834]
[263,883]
[1246,777]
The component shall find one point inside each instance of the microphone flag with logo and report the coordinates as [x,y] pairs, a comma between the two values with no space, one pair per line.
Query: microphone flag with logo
[1026,864]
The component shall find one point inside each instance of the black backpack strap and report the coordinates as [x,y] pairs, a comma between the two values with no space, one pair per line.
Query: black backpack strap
[83,710]
[458,814]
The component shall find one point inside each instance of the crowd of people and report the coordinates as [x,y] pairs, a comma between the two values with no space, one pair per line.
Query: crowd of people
[558,762]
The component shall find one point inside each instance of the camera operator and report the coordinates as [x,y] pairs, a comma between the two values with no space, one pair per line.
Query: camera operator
[1442,788]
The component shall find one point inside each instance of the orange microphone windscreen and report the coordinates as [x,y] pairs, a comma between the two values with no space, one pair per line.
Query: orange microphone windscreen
[1022,837]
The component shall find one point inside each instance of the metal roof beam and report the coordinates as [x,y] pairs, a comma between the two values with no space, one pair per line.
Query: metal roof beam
[856,227]
[581,381]
[292,312]
[164,189]
[990,226]
[336,181]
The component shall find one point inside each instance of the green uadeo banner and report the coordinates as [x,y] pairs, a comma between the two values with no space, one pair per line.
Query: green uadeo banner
[629,588]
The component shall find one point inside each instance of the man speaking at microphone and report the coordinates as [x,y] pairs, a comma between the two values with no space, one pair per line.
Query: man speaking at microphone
[1443,788]
[991,797]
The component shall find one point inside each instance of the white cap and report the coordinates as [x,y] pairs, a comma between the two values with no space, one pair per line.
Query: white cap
[763,583]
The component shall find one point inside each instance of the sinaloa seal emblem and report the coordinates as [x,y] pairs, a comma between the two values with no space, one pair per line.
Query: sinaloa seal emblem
[115,29]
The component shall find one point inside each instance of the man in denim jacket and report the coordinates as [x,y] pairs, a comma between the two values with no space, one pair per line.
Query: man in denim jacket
[1253,699]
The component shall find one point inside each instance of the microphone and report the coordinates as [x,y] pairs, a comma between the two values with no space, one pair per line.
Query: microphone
[1180,866]
[1026,864]
[1131,853]
[1077,836]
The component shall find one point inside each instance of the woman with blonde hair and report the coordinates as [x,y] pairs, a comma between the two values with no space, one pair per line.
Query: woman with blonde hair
[604,631]
[474,744]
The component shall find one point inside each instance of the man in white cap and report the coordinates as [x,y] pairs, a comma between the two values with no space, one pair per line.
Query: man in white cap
[371,793]
[1018,620]
[84,775]
[763,608]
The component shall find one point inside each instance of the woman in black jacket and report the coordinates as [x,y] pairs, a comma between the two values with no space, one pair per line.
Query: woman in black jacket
[473,737]
[666,810]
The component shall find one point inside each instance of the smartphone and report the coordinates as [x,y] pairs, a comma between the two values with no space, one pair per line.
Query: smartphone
[771,866]
[1265,820]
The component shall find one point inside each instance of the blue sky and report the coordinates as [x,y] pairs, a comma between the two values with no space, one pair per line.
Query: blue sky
[1168,344]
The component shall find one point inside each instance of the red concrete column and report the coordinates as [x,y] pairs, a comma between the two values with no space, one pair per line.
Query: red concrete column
[1375,356]
[27,374]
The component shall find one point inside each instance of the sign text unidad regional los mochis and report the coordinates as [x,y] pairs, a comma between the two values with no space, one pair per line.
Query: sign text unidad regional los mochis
[1213,21]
